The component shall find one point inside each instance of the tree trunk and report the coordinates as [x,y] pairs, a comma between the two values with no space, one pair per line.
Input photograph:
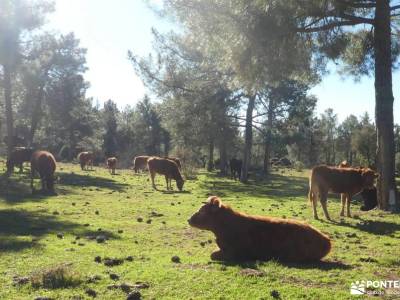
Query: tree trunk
[248,139]
[210,165]
[8,105]
[267,150]
[223,157]
[36,115]
[384,107]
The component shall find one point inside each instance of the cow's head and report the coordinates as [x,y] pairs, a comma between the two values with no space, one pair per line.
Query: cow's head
[179,184]
[368,177]
[206,216]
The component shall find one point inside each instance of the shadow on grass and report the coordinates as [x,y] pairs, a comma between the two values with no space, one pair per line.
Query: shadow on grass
[321,265]
[21,223]
[275,186]
[73,179]
[374,227]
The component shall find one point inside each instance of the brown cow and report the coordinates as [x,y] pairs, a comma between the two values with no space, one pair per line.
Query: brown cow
[244,237]
[17,157]
[347,181]
[44,163]
[140,163]
[85,160]
[165,167]
[112,164]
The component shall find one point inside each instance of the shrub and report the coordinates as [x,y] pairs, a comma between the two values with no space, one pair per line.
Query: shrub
[298,166]
[54,278]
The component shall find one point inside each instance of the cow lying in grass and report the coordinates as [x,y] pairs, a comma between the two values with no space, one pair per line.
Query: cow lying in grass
[112,164]
[346,181]
[165,167]
[44,163]
[140,163]
[17,157]
[243,237]
[85,160]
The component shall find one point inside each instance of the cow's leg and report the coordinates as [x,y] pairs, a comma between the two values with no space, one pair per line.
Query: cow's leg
[348,200]
[313,199]
[152,175]
[21,167]
[343,198]
[167,181]
[43,180]
[324,200]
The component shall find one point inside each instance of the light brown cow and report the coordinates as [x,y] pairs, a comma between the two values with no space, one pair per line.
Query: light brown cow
[140,163]
[165,167]
[347,181]
[44,163]
[112,164]
[244,237]
[85,160]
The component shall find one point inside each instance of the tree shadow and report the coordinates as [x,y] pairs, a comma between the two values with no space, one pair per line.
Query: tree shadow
[374,227]
[274,186]
[21,223]
[73,179]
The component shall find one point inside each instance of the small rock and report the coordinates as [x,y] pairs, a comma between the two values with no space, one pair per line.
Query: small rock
[135,295]
[148,221]
[100,239]
[110,262]
[91,292]
[120,231]
[140,219]
[176,259]
[202,244]
[97,212]
[129,258]
[60,235]
[56,213]
[97,259]
[114,276]
[73,203]
[86,225]
[275,294]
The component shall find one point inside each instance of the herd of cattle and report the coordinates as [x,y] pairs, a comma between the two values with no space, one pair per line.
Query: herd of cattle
[238,235]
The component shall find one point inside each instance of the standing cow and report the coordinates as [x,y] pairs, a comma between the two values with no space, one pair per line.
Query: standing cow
[85,160]
[112,164]
[17,157]
[165,167]
[236,168]
[43,163]
[140,163]
[346,181]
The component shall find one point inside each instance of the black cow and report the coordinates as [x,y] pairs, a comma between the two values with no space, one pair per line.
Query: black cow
[236,168]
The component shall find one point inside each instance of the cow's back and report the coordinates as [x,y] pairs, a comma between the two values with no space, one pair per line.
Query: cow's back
[337,180]
[43,162]
[163,166]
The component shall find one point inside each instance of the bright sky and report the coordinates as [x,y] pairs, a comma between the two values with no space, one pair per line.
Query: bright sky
[108,29]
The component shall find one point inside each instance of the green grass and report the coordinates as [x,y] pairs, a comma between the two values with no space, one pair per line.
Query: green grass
[42,233]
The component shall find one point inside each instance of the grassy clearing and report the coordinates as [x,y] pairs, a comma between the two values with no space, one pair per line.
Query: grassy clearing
[114,234]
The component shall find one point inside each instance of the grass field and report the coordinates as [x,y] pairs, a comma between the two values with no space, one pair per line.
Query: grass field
[48,245]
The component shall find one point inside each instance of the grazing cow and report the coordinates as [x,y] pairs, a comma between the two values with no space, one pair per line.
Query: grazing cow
[347,181]
[44,163]
[140,163]
[86,159]
[165,167]
[370,199]
[112,164]
[236,168]
[17,157]
[244,237]
[176,160]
